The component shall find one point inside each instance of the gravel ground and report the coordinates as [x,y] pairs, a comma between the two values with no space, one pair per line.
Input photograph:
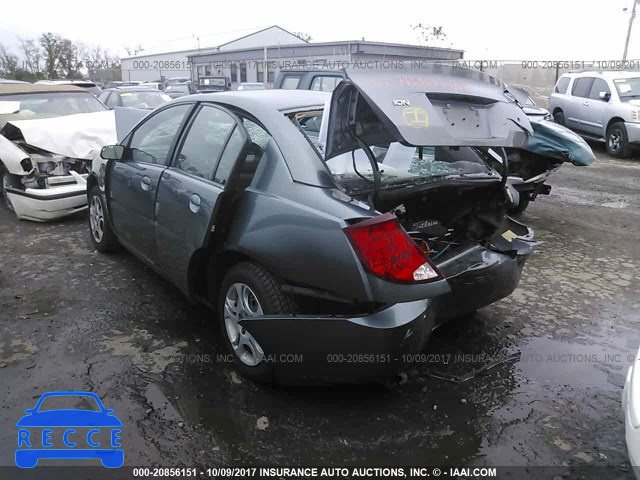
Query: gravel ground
[75,319]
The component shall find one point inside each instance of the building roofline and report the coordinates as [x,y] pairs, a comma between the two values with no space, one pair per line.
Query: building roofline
[329,44]
[260,31]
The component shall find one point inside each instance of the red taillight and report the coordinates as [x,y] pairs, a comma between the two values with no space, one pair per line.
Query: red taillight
[388,252]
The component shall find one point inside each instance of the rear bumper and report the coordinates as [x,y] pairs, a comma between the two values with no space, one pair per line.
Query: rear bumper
[343,349]
[44,204]
[494,277]
[633,132]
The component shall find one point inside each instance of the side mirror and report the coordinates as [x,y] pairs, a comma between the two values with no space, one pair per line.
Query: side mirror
[112,152]
[604,96]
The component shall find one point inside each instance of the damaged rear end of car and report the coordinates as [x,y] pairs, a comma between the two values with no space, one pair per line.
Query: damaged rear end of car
[413,227]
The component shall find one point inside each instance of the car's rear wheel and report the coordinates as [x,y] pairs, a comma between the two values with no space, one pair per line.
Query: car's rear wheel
[8,180]
[249,290]
[558,117]
[618,141]
[103,238]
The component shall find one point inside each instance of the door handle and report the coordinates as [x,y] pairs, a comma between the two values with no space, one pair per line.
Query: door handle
[194,203]
[166,175]
[586,104]
[145,183]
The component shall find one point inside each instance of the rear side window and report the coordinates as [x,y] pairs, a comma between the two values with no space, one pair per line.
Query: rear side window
[290,82]
[582,87]
[561,86]
[205,141]
[599,85]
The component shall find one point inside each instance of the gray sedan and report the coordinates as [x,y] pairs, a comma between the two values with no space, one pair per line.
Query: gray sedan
[331,233]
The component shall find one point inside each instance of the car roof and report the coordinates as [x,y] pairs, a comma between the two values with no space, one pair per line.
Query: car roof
[302,70]
[21,88]
[603,74]
[280,100]
[132,89]
[65,82]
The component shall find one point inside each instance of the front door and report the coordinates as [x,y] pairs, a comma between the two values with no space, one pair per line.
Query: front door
[190,188]
[133,181]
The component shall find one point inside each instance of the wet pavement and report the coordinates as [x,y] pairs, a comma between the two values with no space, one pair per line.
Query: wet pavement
[555,354]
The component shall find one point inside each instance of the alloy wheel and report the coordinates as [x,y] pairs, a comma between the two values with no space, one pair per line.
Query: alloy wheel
[96,219]
[241,302]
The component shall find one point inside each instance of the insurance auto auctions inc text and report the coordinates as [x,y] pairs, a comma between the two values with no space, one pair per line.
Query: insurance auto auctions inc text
[369,472]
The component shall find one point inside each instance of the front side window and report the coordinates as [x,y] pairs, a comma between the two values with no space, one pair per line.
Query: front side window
[582,87]
[152,141]
[599,85]
[204,142]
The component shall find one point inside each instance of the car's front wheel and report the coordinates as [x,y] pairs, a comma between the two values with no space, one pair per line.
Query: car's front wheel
[618,141]
[8,180]
[249,290]
[102,236]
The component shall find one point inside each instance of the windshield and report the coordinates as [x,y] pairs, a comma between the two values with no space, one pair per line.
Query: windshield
[628,87]
[44,105]
[523,97]
[147,99]
[177,88]
[216,82]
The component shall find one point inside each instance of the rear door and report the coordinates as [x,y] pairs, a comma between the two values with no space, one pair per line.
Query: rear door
[133,182]
[191,187]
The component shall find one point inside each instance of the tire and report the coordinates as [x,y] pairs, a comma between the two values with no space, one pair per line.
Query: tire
[558,117]
[521,207]
[252,280]
[618,141]
[103,238]
[8,180]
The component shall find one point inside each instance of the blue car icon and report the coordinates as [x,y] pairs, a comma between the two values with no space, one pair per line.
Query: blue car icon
[63,422]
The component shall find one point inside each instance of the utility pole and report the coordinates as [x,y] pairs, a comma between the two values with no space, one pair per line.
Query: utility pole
[633,16]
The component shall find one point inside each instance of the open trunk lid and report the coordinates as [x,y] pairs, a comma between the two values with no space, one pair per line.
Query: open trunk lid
[437,106]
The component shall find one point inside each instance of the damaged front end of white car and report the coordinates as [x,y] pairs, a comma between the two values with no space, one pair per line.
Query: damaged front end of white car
[45,163]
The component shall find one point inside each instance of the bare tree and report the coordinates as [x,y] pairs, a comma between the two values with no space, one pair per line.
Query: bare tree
[8,62]
[429,34]
[32,55]
[303,36]
[131,51]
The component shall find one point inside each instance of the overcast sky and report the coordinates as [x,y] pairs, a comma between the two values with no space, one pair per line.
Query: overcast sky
[485,29]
